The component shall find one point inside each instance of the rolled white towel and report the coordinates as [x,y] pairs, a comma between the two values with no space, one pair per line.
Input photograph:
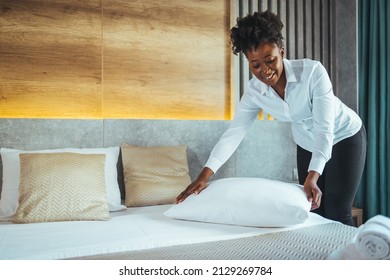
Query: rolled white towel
[373,238]
[380,220]
[371,242]
[348,252]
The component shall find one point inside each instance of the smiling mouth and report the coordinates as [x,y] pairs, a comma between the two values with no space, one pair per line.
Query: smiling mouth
[269,77]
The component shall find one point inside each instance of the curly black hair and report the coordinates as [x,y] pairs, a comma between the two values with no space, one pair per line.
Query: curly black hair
[253,30]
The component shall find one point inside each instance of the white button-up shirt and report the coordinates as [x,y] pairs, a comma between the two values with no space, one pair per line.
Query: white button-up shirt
[318,118]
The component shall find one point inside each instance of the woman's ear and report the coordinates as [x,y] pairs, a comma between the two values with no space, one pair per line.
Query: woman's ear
[281,50]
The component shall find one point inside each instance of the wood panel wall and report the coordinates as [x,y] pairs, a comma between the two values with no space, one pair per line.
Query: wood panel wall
[50,53]
[92,59]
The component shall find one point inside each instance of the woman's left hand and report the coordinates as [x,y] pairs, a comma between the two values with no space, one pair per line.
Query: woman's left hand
[311,189]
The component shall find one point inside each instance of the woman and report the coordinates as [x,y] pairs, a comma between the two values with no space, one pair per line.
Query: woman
[330,137]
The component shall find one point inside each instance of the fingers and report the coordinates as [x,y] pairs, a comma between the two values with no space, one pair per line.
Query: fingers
[314,196]
[181,197]
[311,189]
[314,206]
[316,200]
[194,188]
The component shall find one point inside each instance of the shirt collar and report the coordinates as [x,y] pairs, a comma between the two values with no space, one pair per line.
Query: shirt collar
[263,89]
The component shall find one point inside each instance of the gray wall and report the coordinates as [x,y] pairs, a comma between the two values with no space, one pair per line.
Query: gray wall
[267,151]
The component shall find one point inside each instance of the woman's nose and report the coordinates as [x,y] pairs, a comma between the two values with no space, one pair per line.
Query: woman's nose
[264,69]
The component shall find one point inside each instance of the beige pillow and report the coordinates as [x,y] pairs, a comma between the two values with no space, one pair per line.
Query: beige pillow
[154,175]
[61,187]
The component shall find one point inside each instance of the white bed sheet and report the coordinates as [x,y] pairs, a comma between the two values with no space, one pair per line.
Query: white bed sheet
[132,229]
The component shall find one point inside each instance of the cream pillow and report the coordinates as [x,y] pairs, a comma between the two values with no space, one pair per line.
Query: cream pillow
[154,175]
[61,187]
[247,202]
[11,171]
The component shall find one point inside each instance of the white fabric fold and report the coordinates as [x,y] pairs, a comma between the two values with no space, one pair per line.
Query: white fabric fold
[371,242]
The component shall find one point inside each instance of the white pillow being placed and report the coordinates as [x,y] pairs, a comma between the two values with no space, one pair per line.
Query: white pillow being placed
[9,200]
[254,202]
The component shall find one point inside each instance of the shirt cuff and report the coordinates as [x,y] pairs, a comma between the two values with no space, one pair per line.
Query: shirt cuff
[317,164]
[214,164]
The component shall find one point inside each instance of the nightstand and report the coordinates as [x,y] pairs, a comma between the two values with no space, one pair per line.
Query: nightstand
[357,216]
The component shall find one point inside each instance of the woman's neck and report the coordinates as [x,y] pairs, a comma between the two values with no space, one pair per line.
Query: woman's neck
[280,86]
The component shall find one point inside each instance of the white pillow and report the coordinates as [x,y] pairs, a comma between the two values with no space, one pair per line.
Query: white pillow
[247,202]
[9,200]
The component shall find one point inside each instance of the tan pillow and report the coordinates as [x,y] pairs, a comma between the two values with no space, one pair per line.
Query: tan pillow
[154,175]
[61,187]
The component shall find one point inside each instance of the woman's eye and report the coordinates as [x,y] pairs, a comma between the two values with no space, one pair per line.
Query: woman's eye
[256,66]
[270,61]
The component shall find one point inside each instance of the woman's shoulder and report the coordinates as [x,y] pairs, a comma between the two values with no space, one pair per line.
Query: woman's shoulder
[303,62]
[304,68]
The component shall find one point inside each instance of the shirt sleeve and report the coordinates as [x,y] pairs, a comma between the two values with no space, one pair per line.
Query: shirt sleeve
[244,117]
[323,118]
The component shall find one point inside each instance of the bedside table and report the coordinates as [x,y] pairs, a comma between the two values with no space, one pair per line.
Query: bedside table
[357,216]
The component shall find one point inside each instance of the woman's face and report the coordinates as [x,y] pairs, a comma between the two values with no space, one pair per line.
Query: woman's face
[266,63]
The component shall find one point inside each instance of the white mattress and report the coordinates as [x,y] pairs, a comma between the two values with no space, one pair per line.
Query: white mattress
[132,229]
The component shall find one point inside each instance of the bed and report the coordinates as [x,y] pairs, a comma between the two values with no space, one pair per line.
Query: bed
[144,233]
[119,200]
[66,204]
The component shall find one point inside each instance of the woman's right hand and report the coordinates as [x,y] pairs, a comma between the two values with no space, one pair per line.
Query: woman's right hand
[196,186]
